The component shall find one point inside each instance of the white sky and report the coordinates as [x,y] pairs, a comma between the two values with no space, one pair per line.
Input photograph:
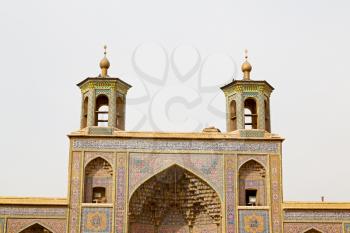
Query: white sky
[300,47]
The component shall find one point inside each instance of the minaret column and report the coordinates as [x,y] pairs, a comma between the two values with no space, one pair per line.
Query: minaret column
[240,110]
[112,114]
[91,108]
[82,111]
[261,111]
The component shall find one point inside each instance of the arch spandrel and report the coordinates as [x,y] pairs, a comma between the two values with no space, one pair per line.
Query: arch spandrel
[243,159]
[209,167]
[90,156]
[27,228]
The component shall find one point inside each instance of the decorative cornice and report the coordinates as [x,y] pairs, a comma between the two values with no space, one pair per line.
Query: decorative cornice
[247,86]
[112,84]
[33,201]
[315,205]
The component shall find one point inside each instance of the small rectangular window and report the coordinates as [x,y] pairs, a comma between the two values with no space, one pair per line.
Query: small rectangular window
[250,197]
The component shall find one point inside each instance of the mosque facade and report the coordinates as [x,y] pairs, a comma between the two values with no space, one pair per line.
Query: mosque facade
[163,182]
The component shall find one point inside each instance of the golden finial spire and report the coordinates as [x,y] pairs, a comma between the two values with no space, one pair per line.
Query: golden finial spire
[104,63]
[246,67]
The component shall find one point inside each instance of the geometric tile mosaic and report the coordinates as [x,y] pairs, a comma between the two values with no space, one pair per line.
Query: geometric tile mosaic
[15,225]
[317,215]
[33,211]
[96,220]
[230,193]
[253,221]
[305,226]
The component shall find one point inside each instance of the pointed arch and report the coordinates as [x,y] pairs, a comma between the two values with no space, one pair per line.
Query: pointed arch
[252,159]
[36,227]
[252,183]
[101,110]
[313,230]
[179,165]
[98,181]
[250,113]
[99,156]
[178,192]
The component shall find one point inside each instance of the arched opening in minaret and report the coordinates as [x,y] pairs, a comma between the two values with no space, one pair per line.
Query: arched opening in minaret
[98,181]
[85,112]
[174,200]
[252,184]
[250,114]
[120,114]
[233,117]
[101,117]
[267,116]
[36,228]
[313,230]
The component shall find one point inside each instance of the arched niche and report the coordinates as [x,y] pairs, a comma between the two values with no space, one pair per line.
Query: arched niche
[36,228]
[250,114]
[174,200]
[252,184]
[101,110]
[98,181]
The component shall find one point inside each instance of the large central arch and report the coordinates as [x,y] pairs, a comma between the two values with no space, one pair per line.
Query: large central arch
[177,201]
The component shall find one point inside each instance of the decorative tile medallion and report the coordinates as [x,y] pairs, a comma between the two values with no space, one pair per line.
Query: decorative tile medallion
[96,220]
[230,193]
[144,166]
[253,221]
[168,145]
[347,228]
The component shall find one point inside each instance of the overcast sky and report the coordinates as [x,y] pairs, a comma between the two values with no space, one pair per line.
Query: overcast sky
[175,54]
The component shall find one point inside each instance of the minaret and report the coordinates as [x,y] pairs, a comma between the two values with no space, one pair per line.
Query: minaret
[247,102]
[103,100]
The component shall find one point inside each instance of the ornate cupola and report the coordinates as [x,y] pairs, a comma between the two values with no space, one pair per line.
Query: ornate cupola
[247,102]
[103,99]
